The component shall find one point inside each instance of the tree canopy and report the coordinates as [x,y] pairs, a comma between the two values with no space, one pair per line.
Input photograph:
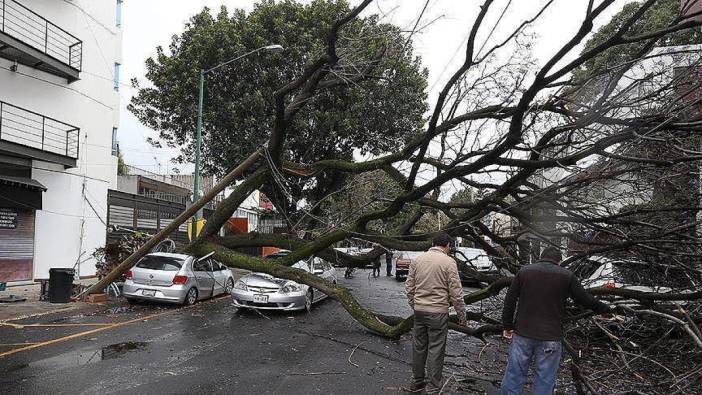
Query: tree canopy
[580,177]
[661,14]
[375,115]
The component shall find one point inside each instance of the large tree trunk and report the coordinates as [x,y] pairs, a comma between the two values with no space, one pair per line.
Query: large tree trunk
[337,292]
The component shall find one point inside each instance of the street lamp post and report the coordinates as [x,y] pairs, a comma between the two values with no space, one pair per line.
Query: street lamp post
[198,134]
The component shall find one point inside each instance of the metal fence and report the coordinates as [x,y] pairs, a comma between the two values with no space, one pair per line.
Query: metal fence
[172,180]
[25,25]
[129,212]
[31,129]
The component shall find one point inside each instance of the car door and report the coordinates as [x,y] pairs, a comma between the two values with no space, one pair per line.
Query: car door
[331,273]
[220,277]
[203,278]
[321,268]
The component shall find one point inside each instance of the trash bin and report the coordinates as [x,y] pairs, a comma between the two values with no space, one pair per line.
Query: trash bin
[60,284]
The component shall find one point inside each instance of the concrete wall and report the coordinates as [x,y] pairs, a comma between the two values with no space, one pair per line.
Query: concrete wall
[129,184]
[68,229]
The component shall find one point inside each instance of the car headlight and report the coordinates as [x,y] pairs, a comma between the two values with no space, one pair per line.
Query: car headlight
[291,287]
[240,285]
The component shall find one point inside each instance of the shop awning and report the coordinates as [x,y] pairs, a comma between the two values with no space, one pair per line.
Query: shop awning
[20,192]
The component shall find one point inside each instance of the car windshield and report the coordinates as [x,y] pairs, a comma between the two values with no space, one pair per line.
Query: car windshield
[630,272]
[302,265]
[165,263]
[473,255]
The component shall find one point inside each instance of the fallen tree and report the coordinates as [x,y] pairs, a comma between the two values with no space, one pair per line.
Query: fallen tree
[599,159]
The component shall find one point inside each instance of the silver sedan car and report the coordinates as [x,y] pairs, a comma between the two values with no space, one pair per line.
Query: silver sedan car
[176,278]
[265,292]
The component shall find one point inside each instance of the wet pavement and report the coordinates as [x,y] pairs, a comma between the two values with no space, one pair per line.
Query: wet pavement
[31,305]
[212,347]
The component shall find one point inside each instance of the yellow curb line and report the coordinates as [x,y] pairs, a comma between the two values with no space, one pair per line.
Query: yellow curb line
[70,307]
[79,334]
[96,330]
[20,326]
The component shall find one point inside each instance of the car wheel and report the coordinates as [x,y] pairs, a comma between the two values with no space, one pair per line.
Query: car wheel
[191,296]
[309,297]
[229,286]
[398,277]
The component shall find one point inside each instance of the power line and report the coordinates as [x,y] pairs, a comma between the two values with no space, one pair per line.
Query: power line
[97,43]
[58,85]
[47,211]
[110,79]
[85,13]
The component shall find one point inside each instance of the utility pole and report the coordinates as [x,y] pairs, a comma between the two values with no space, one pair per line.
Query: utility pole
[198,133]
[198,142]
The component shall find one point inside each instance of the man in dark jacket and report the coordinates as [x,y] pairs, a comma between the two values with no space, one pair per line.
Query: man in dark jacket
[388,263]
[542,289]
[376,266]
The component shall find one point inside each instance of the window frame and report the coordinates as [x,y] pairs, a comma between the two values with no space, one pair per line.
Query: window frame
[118,14]
[115,77]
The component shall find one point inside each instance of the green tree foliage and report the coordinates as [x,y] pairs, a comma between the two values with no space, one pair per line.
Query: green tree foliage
[662,14]
[373,116]
[465,195]
[122,169]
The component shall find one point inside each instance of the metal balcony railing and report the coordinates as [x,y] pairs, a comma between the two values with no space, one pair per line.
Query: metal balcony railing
[27,26]
[30,129]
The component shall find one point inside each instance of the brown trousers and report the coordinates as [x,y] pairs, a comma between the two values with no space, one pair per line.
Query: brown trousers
[429,348]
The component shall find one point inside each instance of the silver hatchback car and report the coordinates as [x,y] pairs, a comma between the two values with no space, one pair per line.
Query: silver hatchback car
[176,278]
[264,292]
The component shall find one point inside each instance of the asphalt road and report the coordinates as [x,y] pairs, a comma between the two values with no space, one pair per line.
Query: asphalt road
[213,348]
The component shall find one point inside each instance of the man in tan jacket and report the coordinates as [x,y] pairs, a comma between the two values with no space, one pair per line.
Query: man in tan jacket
[432,283]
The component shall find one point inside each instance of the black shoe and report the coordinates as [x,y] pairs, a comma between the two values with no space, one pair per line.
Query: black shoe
[416,388]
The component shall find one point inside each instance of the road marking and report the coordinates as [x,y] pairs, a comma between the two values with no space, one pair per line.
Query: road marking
[20,326]
[80,334]
[15,344]
[102,328]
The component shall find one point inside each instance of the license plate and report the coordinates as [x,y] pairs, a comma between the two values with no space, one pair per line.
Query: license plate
[148,293]
[260,298]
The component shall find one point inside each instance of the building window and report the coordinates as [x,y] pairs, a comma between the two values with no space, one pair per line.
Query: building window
[116,76]
[115,144]
[118,14]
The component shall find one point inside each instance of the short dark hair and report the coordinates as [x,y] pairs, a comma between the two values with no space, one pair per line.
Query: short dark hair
[552,254]
[441,239]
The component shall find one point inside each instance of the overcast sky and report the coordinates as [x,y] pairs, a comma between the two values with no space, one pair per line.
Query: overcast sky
[149,23]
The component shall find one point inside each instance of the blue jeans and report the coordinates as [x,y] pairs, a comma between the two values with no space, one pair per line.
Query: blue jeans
[548,358]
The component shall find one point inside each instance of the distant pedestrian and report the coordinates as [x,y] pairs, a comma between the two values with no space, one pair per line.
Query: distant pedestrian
[376,266]
[542,289]
[432,283]
[388,262]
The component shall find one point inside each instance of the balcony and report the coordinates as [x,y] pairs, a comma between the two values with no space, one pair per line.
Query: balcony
[30,39]
[27,134]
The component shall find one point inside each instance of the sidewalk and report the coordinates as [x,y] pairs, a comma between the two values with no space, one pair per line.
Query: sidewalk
[33,306]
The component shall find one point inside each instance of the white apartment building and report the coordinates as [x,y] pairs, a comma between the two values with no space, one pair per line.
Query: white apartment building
[59,114]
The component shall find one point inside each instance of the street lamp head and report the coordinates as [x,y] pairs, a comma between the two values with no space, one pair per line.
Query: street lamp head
[274,47]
